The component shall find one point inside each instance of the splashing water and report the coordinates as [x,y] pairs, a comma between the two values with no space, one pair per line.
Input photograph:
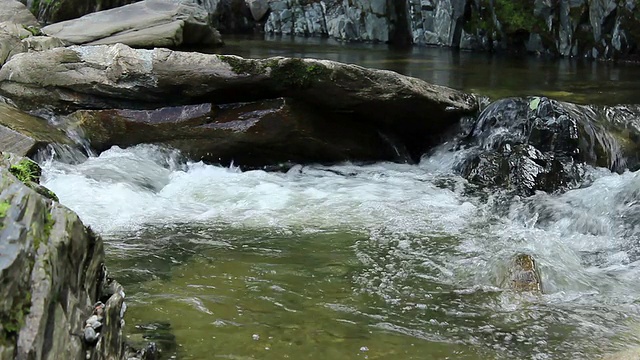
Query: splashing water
[323,261]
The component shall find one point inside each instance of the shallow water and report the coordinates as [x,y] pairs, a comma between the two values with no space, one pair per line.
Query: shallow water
[385,261]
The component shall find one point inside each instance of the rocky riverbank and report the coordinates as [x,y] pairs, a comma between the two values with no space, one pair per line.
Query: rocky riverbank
[52,271]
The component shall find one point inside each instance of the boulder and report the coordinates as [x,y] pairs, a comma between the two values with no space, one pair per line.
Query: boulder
[16,12]
[16,38]
[535,143]
[148,23]
[10,45]
[15,29]
[118,76]
[42,43]
[24,134]
[52,272]
[249,134]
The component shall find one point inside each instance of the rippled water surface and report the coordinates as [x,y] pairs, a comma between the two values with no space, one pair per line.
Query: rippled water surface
[385,261]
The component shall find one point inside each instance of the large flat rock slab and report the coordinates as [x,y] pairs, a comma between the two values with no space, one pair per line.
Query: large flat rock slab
[117,76]
[148,23]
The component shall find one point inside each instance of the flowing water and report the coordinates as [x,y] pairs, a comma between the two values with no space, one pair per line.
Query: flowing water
[383,261]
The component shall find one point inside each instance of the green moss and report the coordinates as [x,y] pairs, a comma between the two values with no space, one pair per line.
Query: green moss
[518,16]
[514,16]
[480,19]
[35,31]
[50,194]
[13,321]
[26,171]
[39,239]
[4,207]
[48,224]
[296,73]
[291,73]
[242,66]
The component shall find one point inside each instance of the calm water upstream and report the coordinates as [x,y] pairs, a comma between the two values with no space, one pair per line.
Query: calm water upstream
[495,76]
[384,261]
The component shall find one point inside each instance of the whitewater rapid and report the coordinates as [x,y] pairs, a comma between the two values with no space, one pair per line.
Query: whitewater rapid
[421,223]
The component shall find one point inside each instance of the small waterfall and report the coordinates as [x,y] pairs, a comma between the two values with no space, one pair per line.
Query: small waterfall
[61,153]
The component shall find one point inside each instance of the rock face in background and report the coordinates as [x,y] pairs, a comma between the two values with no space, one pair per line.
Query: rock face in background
[363,20]
[583,28]
[249,134]
[117,76]
[230,16]
[607,29]
[149,23]
[52,273]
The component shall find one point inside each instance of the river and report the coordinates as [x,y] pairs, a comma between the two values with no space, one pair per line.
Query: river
[378,261]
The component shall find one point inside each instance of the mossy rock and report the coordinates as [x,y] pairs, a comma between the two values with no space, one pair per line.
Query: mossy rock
[27,171]
[295,73]
[291,73]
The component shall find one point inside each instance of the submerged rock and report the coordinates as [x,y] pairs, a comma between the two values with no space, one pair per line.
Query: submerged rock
[535,143]
[118,76]
[249,134]
[52,271]
[524,274]
[24,134]
[148,23]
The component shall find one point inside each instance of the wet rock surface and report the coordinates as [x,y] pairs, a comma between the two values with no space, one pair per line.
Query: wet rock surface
[535,143]
[524,275]
[24,134]
[52,271]
[248,134]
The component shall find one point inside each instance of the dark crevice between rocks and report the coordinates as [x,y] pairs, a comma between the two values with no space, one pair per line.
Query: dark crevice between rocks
[400,34]
[49,339]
